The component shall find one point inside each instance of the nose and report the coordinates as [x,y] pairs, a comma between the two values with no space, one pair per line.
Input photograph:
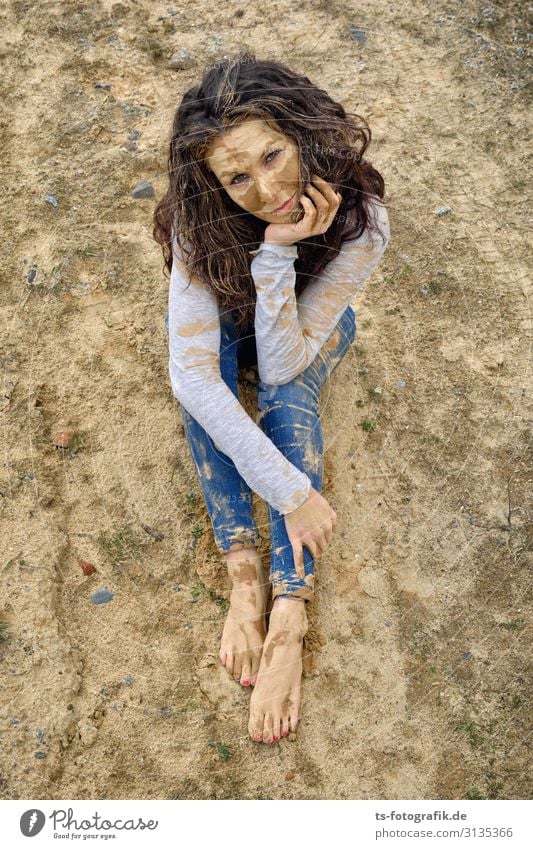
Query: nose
[267,190]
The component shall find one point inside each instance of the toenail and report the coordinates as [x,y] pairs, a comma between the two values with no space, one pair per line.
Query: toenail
[246,683]
[276,739]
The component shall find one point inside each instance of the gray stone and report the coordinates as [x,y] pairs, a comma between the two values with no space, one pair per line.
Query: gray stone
[144,189]
[181,60]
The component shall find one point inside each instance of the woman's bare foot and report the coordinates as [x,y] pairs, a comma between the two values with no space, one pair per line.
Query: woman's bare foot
[244,630]
[275,701]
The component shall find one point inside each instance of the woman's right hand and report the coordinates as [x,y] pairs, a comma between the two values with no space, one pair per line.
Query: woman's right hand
[311,524]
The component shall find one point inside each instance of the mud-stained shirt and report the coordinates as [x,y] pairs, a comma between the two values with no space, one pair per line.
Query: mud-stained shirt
[289,334]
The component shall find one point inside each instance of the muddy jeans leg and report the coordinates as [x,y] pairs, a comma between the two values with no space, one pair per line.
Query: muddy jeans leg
[290,417]
[227,496]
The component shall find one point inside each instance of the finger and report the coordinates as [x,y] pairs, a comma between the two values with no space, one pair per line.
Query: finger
[297,553]
[309,207]
[328,190]
[322,543]
[312,546]
[323,204]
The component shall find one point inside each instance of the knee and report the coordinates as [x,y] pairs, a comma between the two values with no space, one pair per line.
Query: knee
[301,391]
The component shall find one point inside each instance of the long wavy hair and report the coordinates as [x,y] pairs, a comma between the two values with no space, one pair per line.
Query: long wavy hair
[213,233]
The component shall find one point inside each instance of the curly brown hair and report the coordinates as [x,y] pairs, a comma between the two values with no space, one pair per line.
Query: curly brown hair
[214,234]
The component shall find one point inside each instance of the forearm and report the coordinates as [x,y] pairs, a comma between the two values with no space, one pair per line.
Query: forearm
[282,349]
[264,468]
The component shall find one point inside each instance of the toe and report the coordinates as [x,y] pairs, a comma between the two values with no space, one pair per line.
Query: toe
[256,660]
[222,657]
[246,673]
[276,725]
[285,726]
[267,729]
[293,720]
[255,656]
[255,727]
[229,663]
[237,668]
[294,708]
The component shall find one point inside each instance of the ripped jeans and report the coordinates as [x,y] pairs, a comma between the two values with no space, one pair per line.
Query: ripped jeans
[289,415]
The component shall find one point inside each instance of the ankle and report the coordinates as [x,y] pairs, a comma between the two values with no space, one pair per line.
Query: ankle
[291,615]
[246,573]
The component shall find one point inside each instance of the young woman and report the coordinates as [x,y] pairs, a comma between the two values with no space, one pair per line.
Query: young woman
[271,223]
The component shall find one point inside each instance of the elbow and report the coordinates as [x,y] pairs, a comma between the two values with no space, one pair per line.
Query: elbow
[181,387]
[272,374]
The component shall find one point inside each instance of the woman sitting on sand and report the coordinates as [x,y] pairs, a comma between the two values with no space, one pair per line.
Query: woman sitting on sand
[274,222]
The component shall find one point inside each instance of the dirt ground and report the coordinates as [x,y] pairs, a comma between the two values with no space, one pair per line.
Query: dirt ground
[417,654]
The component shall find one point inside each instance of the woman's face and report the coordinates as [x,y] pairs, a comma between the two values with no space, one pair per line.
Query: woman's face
[259,168]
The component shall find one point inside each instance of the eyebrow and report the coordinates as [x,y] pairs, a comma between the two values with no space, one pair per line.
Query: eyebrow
[233,173]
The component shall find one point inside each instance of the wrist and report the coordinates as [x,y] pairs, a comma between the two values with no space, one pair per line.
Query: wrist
[289,251]
[278,244]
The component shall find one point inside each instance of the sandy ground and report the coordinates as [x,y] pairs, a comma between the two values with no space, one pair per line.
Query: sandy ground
[416,658]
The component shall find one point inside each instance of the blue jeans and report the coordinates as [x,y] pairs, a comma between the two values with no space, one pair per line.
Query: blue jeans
[290,417]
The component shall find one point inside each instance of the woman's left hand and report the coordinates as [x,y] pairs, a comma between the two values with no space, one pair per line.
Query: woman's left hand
[317,219]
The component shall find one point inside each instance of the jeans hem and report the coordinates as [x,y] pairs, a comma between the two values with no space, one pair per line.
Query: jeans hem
[300,591]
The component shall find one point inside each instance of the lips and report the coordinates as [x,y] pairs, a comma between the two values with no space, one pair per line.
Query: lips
[286,204]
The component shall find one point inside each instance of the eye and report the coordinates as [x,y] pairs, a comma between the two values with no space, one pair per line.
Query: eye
[273,154]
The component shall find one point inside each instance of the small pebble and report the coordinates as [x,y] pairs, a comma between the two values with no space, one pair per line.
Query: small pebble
[87,568]
[64,438]
[102,596]
[401,383]
[40,755]
[128,680]
[51,199]
[181,60]
[443,210]
[155,534]
[357,34]
[467,655]
[106,86]
[289,775]
[292,736]
[144,189]
[32,274]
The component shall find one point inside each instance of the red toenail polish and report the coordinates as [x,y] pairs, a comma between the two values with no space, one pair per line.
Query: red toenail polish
[245,683]
[276,739]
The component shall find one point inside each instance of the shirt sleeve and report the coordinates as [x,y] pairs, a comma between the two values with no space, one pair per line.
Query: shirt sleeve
[289,331]
[194,370]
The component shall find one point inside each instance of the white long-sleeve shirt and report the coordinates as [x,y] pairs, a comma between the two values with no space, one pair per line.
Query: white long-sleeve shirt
[289,333]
